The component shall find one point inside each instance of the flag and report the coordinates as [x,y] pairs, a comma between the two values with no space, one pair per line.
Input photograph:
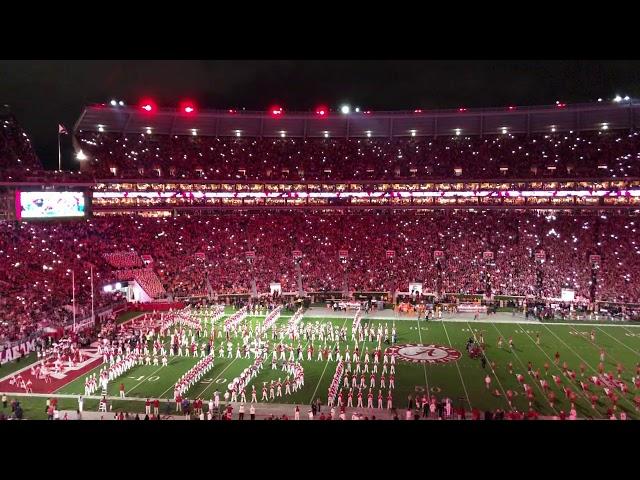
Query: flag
[62,130]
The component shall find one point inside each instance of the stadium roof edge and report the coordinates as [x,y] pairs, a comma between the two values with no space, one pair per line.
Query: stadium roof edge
[222,123]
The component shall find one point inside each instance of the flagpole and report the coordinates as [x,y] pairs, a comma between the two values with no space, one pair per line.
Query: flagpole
[73,288]
[93,318]
[59,155]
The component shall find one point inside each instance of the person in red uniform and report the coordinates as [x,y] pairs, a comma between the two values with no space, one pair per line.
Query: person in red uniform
[509,396]
[530,397]
[122,390]
[156,407]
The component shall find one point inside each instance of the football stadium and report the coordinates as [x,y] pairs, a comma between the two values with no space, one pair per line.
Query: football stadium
[336,263]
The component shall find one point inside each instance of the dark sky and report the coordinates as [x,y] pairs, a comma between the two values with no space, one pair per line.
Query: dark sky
[44,93]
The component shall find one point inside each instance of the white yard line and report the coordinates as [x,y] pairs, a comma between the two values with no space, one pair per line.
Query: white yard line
[458,367]
[504,393]
[586,363]
[212,381]
[621,343]
[147,376]
[424,364]
[552,362]
[325,369]
[535,381]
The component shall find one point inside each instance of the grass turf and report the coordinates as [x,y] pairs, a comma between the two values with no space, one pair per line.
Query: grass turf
[462,381]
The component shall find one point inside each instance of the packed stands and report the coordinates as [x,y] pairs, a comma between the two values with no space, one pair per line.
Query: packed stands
[597,154]
[38,258]
[16,153]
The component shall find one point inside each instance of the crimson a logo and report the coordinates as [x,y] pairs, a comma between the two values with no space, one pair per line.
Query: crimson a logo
[415,353]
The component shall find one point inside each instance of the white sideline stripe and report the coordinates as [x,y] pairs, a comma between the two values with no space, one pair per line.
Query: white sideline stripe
[458,367]
[464,320]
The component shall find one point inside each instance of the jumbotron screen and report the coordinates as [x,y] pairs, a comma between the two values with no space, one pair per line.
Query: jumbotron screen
[50,204]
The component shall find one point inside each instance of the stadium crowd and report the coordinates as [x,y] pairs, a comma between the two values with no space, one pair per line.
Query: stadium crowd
[563,155]
[207,254]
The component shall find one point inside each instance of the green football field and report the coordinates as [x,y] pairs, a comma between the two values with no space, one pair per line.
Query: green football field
[461,380]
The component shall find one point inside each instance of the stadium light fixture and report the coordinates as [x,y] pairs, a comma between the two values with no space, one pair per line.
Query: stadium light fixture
[458,131]
[604,126]
[599,99]
[326,134]
[417,110]
[148,130]
[238,133]
[322,111]
[345,109]
[368,133]
[148,105]
[626,98]
[553,128]
[283,133]
[108,288]
[504,130]
[194,131]
[413,133]
[357,109]
[188,107]
[113,103]
[101,128]
[121,103]
[81,156]
[617,99]
[276,110]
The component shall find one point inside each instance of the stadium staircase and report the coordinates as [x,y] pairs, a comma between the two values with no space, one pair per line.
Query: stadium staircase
[131,267]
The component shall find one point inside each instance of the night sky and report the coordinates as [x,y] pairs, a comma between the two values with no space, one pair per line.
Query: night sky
[44,93]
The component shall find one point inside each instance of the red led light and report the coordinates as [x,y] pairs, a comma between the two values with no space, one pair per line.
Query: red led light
[148,105]
[276,110]
[322,111]
[187,106]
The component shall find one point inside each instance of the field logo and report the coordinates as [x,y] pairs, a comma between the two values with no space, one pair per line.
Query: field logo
[414,353]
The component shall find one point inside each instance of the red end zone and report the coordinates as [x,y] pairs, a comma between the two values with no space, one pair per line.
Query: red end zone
[56,380]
